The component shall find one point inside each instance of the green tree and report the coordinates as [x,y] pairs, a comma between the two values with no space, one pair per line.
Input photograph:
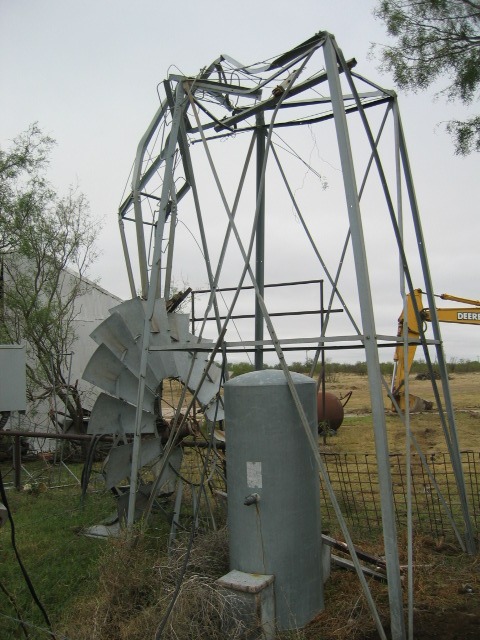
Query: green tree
[239,368]
[436,39]
[46,247]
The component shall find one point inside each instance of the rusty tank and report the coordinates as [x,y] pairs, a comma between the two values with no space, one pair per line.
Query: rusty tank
[330,411]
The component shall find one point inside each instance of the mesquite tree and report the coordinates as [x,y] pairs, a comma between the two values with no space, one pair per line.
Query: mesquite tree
[46,247]
[436,40]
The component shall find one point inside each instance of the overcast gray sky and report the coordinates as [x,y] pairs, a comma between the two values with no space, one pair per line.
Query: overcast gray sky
[87,72]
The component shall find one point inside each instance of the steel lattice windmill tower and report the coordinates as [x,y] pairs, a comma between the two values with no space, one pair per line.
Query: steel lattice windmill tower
[204,169]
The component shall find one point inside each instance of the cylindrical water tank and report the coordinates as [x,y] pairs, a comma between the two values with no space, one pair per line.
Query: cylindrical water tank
[270,463]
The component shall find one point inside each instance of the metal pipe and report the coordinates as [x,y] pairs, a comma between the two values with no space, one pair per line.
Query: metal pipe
[448,425]
[408,440]
[260,137]
[47,434]
[306,312]
[190,176]
[171,244]
[275,284]
[137,185]
[87,437]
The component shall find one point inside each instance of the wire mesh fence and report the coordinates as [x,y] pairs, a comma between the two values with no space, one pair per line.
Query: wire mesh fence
[354,479]
[353,476]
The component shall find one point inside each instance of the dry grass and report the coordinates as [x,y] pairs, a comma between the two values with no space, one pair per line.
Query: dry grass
[446,596]
[356,433]
[464,388]
[136,585]
[137,582]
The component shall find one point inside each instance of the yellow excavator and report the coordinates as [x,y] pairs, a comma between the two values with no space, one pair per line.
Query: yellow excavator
[458,315]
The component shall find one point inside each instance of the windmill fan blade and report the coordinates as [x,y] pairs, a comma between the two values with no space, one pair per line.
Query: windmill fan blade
[170,473]
[191,369]
[161,336]
[106,371]
[165,485]
[215,412]
[133,314]
[115,334]
[119,461]
[178,324]
[111,415]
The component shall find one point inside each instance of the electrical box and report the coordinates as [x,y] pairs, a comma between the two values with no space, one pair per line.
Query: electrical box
[13,377]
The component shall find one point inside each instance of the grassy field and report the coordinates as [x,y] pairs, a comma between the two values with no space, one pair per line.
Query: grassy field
[464,388]
[119,589]
[355,435]
[61,563]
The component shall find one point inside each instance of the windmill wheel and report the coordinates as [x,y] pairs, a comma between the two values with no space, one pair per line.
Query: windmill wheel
[172,378]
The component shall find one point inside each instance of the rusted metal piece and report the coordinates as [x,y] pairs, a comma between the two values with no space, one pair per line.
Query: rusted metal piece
[176,300]
[379,573]
[201,444]
[345,398]
[188,427]
[362,555]
[343,563]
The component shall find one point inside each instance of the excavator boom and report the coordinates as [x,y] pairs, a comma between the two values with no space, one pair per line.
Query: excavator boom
[458,315]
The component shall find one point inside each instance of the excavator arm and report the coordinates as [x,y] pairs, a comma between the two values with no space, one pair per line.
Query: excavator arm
[458,315]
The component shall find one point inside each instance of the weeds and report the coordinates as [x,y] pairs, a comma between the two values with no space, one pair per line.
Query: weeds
[136,585]
[117,590]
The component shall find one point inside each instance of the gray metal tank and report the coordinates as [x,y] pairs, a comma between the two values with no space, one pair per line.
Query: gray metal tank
[268,455]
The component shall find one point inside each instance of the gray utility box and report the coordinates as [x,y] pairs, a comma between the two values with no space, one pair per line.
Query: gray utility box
[13,378]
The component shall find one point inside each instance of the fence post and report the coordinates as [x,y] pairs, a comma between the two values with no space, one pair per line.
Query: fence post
[17,462]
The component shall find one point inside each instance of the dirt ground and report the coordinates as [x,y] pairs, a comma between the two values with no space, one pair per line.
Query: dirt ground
[446,597]
[444,625]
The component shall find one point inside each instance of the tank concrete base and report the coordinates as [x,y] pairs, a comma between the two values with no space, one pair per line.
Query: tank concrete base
[249,605]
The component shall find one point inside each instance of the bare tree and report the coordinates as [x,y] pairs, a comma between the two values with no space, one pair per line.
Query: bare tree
[46,247]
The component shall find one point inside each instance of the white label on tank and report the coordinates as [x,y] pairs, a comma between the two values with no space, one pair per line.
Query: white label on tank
[254,475]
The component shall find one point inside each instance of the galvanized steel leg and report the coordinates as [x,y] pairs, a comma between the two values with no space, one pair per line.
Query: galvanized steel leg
[371,348]
[152,293]
[176,513]
[452,439]
[260,236]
